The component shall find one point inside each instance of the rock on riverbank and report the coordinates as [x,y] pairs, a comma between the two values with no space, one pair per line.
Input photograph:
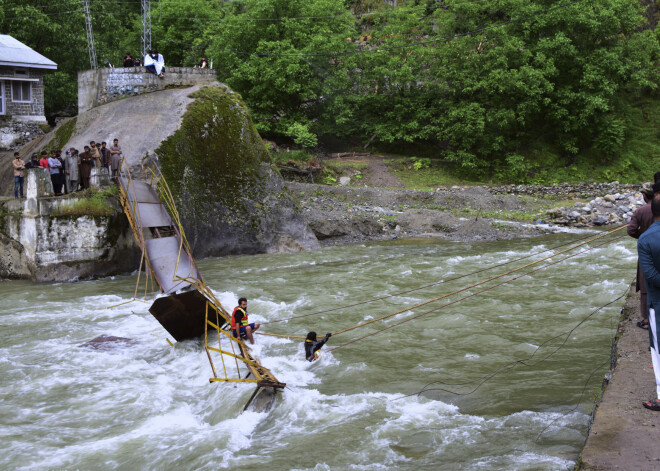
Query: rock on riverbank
[565,190]
[609,209]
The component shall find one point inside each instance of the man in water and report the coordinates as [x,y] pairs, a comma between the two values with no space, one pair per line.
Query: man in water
[239,318]
[312,346]
[648,251]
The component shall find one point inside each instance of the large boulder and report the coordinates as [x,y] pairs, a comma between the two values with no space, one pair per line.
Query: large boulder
[231,198]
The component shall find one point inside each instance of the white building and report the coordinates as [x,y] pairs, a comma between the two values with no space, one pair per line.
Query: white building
[21,80]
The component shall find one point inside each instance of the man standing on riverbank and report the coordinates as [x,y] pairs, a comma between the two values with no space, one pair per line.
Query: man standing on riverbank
[648,251]
[86,161]
[115,159]
[640,221]
[19,168]
[72,170]
[55,168]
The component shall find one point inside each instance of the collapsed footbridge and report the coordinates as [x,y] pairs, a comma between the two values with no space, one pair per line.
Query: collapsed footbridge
[188,308]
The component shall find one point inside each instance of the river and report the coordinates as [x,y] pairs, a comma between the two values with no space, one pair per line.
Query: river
[150,405]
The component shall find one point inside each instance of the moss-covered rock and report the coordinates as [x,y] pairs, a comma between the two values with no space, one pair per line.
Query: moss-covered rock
[230,196]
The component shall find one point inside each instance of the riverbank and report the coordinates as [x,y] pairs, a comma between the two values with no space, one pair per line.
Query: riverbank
[340,215]
[624,435]
[375,198]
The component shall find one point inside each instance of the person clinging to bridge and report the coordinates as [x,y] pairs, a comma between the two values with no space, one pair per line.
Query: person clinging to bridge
[648,251]
[313,346]
[239,318]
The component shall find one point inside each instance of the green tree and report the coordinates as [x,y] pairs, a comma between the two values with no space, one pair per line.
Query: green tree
[260,49]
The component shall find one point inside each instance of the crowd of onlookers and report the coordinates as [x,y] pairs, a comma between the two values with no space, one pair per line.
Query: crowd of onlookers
[70,171]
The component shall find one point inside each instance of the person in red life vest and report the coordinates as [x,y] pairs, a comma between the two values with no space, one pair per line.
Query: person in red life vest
[239,318]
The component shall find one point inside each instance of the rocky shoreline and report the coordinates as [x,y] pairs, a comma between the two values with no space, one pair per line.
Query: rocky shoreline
[609,209]
[341,215]
[348,214]
[566,190]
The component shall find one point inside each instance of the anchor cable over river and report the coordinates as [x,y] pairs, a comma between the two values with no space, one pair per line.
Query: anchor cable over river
[591,239]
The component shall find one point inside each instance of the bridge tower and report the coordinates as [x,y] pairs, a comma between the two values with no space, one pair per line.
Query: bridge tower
[146,26]
[90,35]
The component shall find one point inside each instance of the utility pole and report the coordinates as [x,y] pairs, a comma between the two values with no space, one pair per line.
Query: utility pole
[146,27]
[90,35]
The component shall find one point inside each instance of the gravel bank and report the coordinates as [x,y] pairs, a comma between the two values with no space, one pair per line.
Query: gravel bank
[341,215]
[566,190]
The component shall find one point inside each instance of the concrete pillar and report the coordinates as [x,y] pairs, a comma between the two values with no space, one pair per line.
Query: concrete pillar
[99,177]
[38,184]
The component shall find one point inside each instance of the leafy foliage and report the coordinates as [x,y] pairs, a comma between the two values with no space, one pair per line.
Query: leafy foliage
[488,84]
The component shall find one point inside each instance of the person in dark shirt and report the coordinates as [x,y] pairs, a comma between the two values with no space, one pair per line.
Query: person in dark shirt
[128,61]
[34,163]
[313,346]
[640,221]
[105,155]
[203,64]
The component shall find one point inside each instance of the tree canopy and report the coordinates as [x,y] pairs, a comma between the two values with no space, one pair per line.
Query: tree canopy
[481,81]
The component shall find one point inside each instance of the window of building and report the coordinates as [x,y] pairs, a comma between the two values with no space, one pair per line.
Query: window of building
[20,73]
[21,92]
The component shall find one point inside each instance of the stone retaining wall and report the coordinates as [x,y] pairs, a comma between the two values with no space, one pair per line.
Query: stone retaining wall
[97,87]
[15,134]
[39,240]
[566,190]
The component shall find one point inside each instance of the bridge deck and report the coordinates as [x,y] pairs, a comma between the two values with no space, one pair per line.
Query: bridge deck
[184,311]
[167,257]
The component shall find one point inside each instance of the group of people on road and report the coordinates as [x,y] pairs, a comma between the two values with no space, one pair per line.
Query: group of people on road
[644,225]
[241,326]
[69,172]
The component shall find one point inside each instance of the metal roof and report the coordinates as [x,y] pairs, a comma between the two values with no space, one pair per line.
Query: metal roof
[16,54]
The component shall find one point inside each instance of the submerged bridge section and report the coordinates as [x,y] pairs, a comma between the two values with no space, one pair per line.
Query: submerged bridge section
[189,308]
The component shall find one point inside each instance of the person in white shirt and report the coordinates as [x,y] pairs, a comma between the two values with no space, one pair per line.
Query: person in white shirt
[155,63]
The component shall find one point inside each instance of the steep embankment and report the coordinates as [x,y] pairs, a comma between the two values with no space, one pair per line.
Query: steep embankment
[230,197]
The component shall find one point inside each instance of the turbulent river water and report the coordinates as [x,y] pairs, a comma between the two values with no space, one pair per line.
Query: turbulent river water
[150,406]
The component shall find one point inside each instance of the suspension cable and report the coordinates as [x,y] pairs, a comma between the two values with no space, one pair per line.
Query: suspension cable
[371,321]
[464,297]
[399,293]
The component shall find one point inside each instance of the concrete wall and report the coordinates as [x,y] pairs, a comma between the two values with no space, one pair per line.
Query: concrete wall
[43,243]
[32,111]
[97,87]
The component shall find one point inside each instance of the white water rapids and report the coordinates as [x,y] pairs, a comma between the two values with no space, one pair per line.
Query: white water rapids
[151,406]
